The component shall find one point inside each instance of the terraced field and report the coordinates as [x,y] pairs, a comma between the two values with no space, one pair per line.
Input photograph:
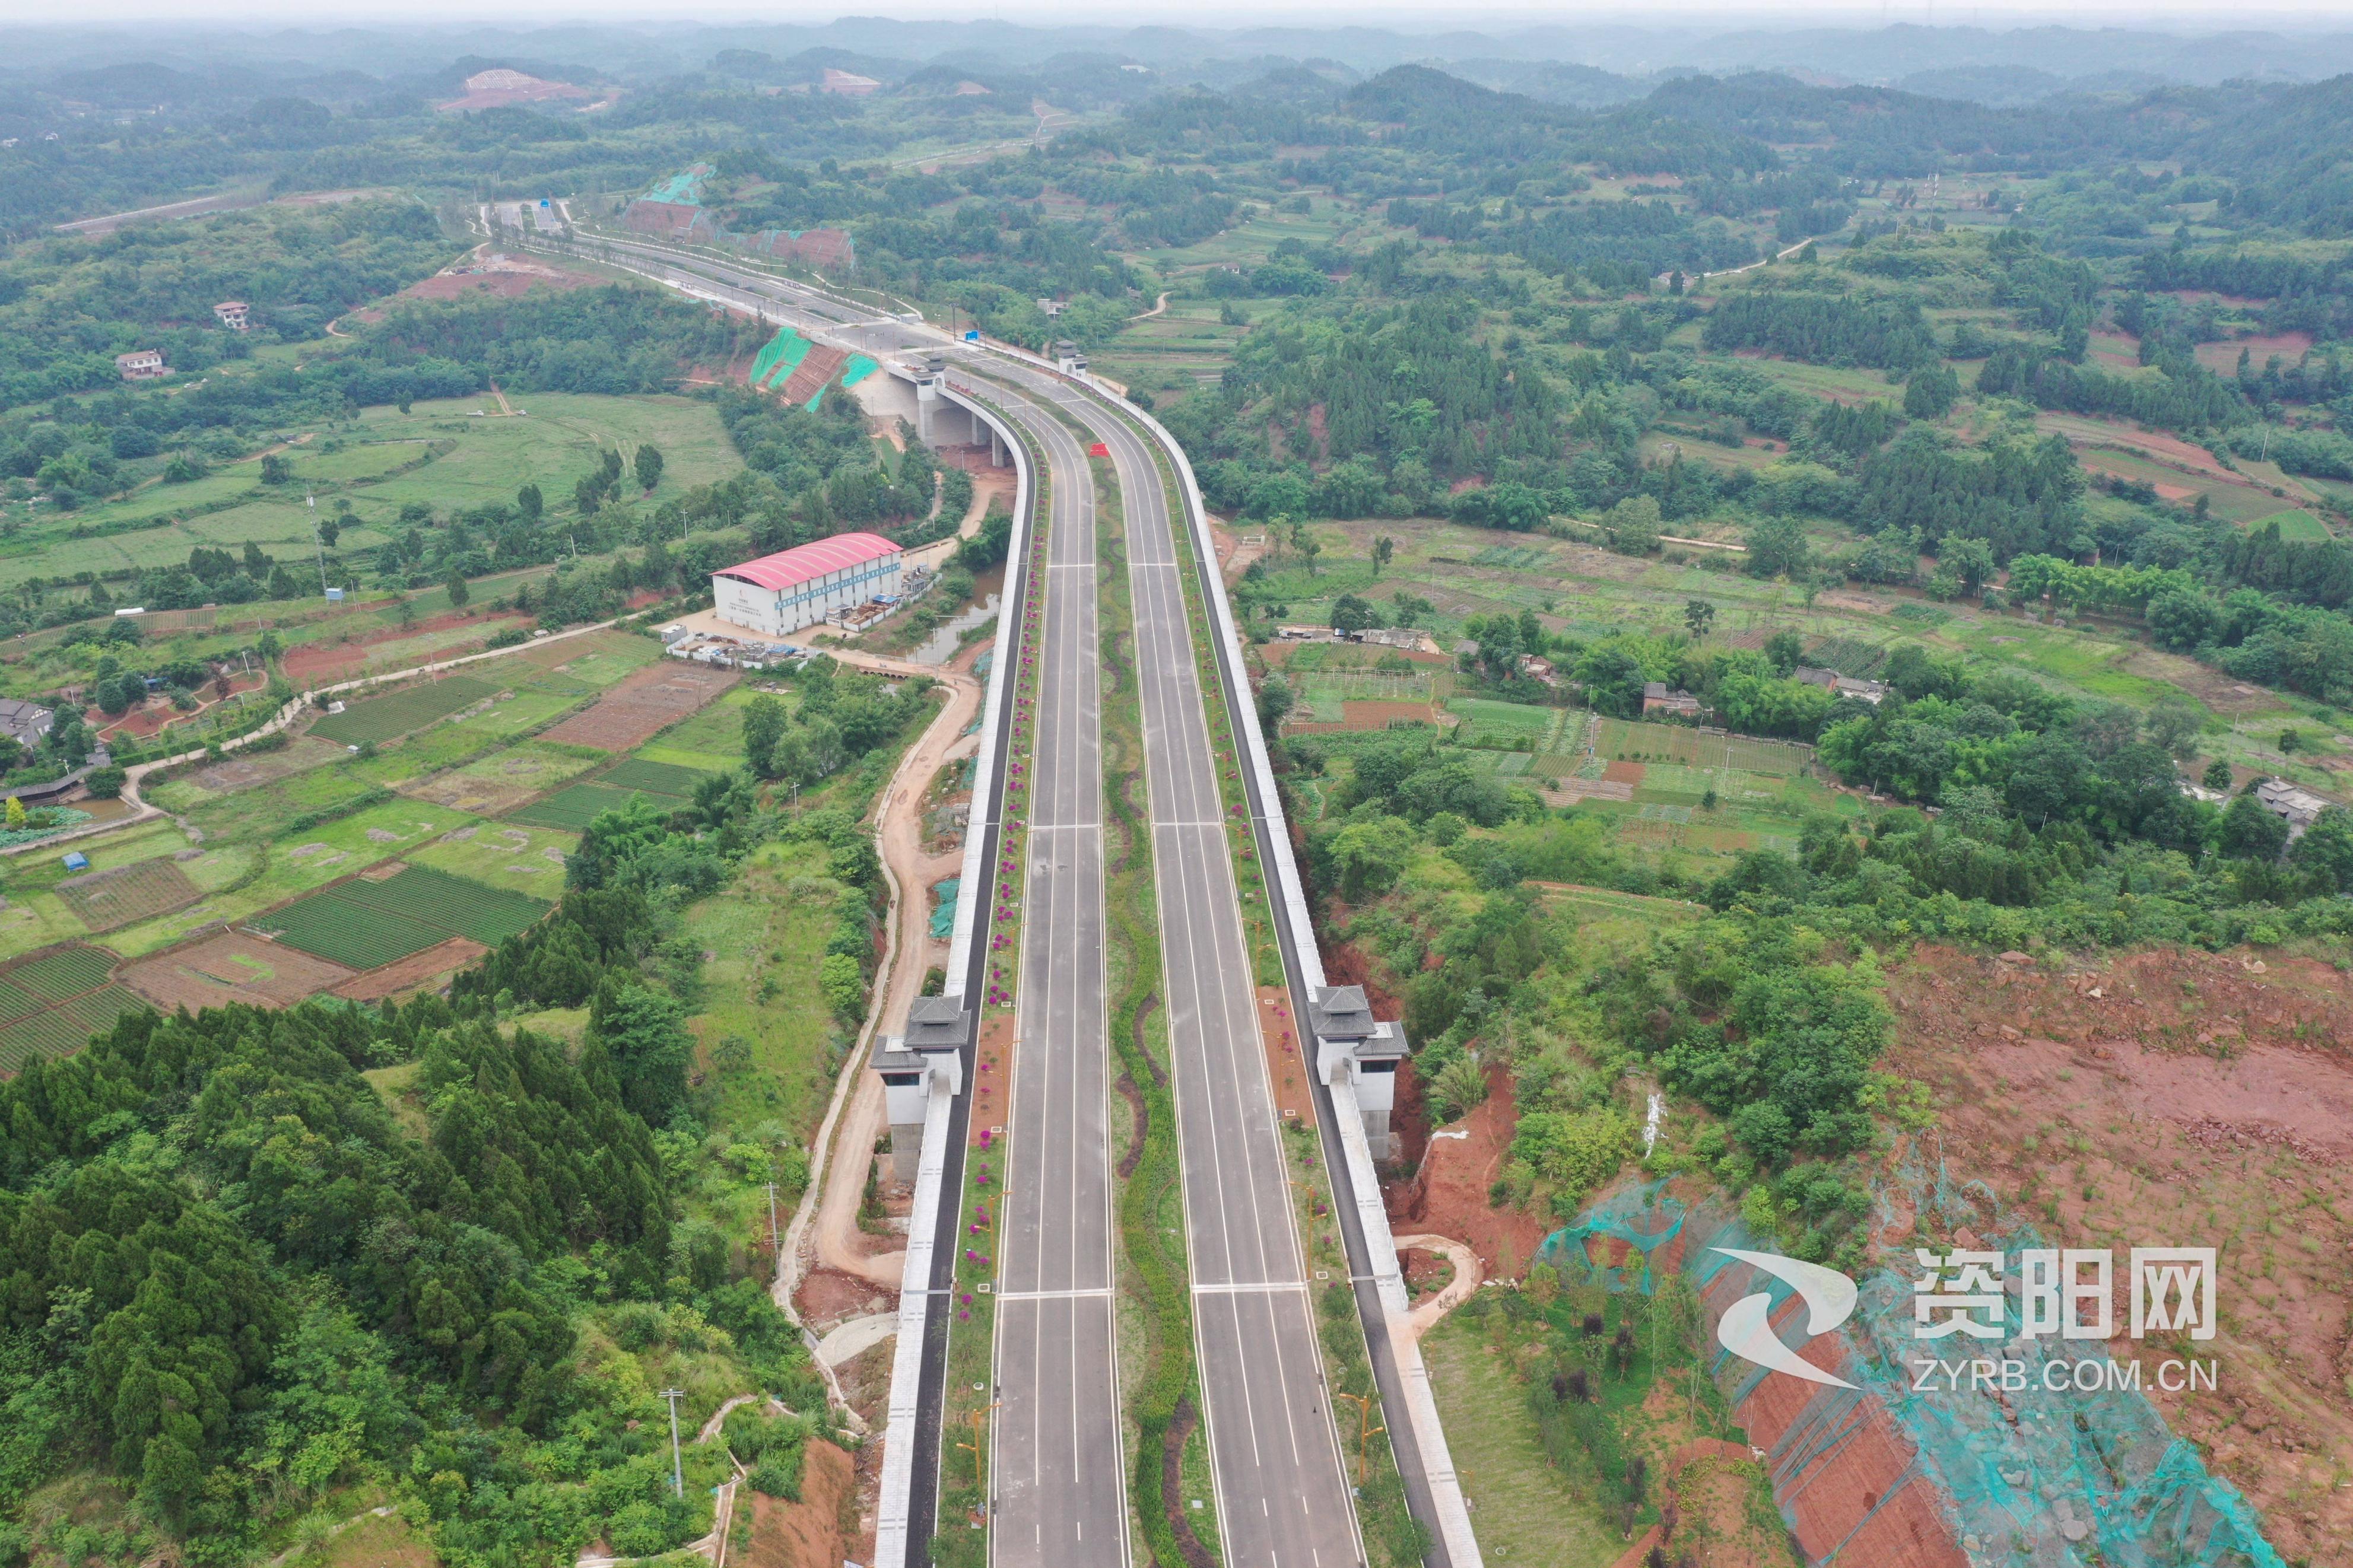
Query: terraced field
[362,923]
[381,718]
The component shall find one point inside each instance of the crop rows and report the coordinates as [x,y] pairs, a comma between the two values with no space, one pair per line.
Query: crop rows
[489,915]
[108,899]
[363,924]
[65,974]
[575,808]
[64,1029]
[381,718]
[655,778]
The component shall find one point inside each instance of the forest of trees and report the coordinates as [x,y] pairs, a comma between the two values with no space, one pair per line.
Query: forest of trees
[68,306]
[236,1276]
[1826,329]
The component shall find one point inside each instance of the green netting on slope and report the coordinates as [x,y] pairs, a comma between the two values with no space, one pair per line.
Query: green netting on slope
[2077,1479]
[855,370]
[944,909]
[779,358]
[683,189]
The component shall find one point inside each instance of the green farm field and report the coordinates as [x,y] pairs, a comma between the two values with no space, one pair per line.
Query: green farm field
[577,806]
[51,1004]
[767,930]
[376,719]
[557,441]
[362,923]
[503,855]
[457,462]
[711,740]
[268,872]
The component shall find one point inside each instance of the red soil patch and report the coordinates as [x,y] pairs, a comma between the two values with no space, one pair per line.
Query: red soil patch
[531,90]
[2199,296]
[231,967]
[311,660]
[1623,772]
[1706,1480]
[807,1533]
[1425,1270]
[151,716]
[1447,1194]
[817,366]
[828,1296]
[1847,1480]
[992,1078]
[1370,715]
[1286,1069]
[647,701]
[2091,460]
[2191,1101]
[2165,448]
[415,972]
[501,284]
[1234,556]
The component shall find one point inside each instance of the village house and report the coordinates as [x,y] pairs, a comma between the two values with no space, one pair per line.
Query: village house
[1677,704]
[2298,805]
[1831,680]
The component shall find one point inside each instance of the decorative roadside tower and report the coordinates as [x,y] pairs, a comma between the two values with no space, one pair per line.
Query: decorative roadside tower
[1348,1041]
[928,1056]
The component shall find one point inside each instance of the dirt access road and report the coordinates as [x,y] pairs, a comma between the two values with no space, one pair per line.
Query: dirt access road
[825,1233]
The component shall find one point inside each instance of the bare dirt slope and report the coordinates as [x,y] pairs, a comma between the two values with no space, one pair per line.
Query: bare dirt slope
[2177,1098]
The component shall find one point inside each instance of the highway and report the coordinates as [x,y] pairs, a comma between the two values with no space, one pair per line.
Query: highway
[1283,1493]
[1279,1470]
[1058,1469]
[1281,1482]
[1283,1499]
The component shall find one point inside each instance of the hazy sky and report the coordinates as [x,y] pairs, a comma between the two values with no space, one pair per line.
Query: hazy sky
[2189,16]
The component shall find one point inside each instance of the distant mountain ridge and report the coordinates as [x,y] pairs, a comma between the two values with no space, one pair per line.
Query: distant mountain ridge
[1587,67]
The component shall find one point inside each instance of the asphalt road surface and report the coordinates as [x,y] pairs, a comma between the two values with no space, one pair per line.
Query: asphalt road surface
[1059,1467]
[1283,1493]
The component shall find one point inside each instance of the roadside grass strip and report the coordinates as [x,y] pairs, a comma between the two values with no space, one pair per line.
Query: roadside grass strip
[1004,913]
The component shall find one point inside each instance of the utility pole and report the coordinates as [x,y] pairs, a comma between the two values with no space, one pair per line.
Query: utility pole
[977,1418]
[1365,1430]
[677,1472]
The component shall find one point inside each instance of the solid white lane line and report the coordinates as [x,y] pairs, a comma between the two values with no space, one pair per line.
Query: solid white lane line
[1248,1287]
